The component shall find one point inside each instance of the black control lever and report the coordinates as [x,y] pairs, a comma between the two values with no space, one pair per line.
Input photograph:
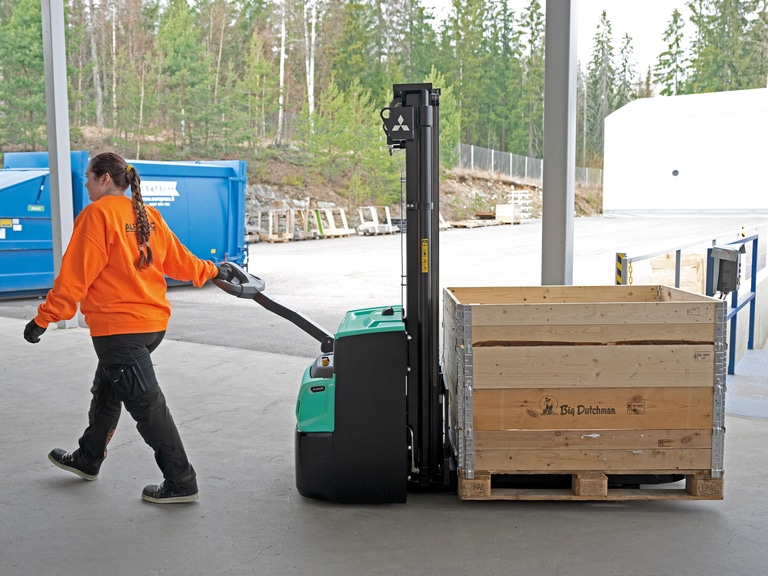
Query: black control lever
[243,285]
[246,285]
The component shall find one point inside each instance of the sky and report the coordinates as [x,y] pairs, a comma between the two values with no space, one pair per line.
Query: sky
[644,20]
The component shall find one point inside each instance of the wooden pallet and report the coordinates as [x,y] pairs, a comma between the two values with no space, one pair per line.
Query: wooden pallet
[475,223]
[592,486]
[273,238]
[275,225]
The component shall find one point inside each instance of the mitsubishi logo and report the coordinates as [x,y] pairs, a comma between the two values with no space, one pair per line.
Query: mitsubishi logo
[401,125]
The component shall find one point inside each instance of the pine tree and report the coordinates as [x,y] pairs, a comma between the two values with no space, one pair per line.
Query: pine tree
[581,118]
[254,98]
[601,76]
[505,75]
[644,85]
[352,51]
[186,75]
[721,49]
[77,53]
[464,31]
[449,119]
[420,50]
[672,64]
[624,90]
[22,90]
[531,104]
[759,41]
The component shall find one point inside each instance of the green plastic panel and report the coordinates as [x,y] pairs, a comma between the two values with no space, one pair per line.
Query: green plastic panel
[316,404]
[370,320]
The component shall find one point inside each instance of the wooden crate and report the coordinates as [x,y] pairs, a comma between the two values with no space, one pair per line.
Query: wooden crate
[586,381]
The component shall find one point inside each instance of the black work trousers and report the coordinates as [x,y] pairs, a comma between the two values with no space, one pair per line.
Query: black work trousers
[125,375]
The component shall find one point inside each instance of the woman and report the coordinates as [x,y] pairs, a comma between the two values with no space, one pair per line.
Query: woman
[115,267]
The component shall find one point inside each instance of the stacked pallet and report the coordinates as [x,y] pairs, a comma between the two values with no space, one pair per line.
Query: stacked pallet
[283,225]
[274,225]
[375,220]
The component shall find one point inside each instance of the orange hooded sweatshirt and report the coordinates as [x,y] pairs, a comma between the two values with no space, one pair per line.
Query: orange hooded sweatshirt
[99,271]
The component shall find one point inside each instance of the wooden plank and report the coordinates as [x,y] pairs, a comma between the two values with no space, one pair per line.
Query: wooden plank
[593,366]
[641,439]
[626,313]
[452,349]
[450,335]
[670,293]
[593,408]
[553,294]
[573,294]
[567,460]
[696,333]
[481,488]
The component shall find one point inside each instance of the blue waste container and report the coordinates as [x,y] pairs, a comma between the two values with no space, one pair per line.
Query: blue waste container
[39,160]
[202,202]
[26,247]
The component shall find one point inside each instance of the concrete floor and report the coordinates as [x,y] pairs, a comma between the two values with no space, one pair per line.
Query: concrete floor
[234,407]
[235,411]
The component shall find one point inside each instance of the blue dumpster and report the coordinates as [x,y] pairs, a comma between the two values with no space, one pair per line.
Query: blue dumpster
[203,203]
[39,160]
[26,248]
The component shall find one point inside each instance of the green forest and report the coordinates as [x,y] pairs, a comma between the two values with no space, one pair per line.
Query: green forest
[182,79]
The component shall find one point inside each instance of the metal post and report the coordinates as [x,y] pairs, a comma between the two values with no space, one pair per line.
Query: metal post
[57,123]
[559,142]
[622,266]
[733,332]
[753,289]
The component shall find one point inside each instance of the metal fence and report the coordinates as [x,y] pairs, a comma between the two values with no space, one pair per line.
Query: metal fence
[472,157]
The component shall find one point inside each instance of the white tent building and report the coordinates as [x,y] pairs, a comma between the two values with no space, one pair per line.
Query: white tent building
[693,154]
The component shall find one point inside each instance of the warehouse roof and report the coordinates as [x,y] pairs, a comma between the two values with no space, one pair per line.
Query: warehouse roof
[734,101]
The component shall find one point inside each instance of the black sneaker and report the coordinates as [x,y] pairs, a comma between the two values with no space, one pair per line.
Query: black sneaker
[167,494]
[70,462]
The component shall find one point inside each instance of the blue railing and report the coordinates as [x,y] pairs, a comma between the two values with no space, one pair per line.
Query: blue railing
[738,303]
[624,276]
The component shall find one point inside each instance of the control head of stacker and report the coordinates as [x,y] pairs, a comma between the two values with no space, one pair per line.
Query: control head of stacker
[242,284]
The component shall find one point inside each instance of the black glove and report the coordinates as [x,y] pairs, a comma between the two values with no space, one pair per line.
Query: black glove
[32,332]
[226,271]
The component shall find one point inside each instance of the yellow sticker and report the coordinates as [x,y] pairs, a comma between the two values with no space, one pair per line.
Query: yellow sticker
[6,222]
[213,250]
[424,256]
